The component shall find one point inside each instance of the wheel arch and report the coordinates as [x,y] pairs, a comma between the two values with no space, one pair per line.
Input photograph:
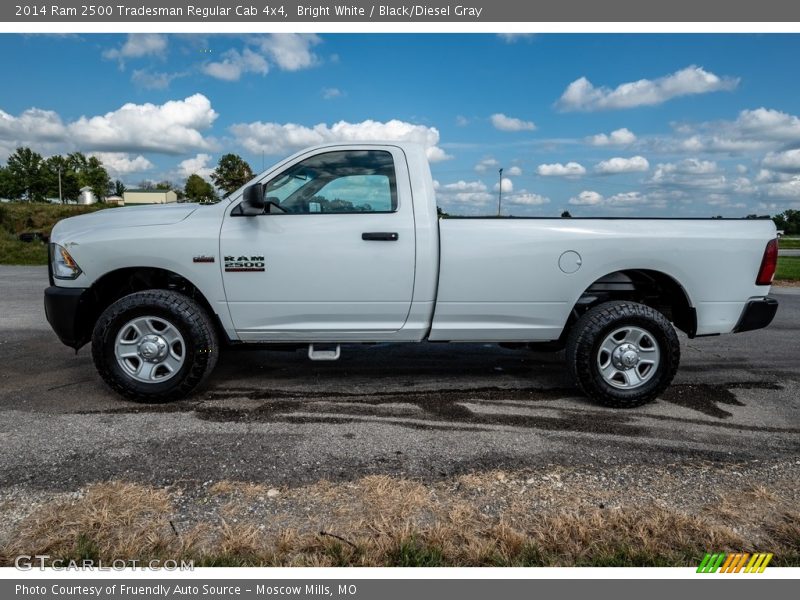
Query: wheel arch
[116,284]
[650,287]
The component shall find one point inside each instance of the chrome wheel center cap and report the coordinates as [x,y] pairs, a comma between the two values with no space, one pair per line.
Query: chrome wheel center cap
[153,348]
[625,356]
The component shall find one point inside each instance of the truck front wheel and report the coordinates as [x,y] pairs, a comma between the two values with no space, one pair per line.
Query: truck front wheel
[154,346]
[622,354]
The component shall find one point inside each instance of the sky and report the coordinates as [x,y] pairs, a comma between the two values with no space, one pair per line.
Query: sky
[597,124]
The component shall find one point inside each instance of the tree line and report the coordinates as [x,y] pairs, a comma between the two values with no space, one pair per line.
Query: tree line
[28,176]
[788,221]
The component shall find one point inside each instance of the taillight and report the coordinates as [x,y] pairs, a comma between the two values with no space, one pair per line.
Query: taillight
[768,264]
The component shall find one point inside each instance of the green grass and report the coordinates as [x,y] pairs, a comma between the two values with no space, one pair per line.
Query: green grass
[413,553]
[788,268]
[87,548]
[23,217]
[14,252]
[790,243]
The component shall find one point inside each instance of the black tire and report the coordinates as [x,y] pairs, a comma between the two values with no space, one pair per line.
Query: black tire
[584,347]
[187,316]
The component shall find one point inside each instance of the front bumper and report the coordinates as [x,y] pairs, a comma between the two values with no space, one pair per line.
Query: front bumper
[66,310]
[757,314]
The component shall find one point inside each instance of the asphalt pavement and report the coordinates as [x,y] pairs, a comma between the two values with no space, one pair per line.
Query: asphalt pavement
[422,410]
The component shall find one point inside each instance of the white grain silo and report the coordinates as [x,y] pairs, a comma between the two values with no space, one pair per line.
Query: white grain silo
[87,196]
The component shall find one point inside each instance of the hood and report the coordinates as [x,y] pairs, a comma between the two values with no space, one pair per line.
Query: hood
[128,216]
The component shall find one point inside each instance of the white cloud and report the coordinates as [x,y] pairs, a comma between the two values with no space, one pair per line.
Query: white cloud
[277,138]
[618,137]
[704,177]
[717,143]
[785,189]
[612,166]
[174,127]
[462,121]
[139,45]
[571,169]
[511,38]
[693,173]
[120,164]
[682,128]
[723,201]
[743,185]
[465,186]
[718,200]
[436,154]
[587,198]
[514,171]
[331,93]
[473,197]
[692,144]
[695,166]
[170,128]
[32,125]
[505,184]
[197,165]
[465,192]
[767,176]
[486,164]
[286,51]
[504,123]
[581,94]
[787,161]
[752,130]
[688,166]
[234,64]
[764,175]
[525,198]
[660,198]
[153,80]
[627,199]
[289,51]
[764,123]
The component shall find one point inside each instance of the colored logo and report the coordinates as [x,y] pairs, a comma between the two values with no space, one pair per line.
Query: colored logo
[735,562]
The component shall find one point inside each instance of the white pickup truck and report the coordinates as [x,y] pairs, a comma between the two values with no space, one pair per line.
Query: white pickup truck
[342,244]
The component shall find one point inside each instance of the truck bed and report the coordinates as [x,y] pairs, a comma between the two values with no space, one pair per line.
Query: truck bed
[500,279]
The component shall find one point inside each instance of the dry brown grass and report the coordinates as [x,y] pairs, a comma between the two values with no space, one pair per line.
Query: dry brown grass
[121,518]
[489,519]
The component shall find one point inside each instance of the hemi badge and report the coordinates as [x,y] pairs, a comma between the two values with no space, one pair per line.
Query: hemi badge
[203,259]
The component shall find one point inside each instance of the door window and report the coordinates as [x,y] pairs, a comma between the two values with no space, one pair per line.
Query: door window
[352,181]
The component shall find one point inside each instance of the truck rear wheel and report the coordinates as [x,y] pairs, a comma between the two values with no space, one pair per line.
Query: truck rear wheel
[623,354]
[154,346]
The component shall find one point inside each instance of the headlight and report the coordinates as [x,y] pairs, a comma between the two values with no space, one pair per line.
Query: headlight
[62,264]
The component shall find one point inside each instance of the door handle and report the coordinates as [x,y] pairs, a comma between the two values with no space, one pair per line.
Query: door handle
[379,236]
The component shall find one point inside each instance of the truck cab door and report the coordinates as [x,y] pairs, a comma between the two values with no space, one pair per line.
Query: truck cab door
[332,257]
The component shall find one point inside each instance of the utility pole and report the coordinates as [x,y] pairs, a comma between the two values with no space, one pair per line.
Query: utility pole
[500,194]
[60,198]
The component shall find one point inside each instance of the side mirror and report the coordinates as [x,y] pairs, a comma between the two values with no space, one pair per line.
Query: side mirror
[253,202]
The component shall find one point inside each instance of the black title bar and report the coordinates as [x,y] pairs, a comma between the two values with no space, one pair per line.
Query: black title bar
[476,11]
